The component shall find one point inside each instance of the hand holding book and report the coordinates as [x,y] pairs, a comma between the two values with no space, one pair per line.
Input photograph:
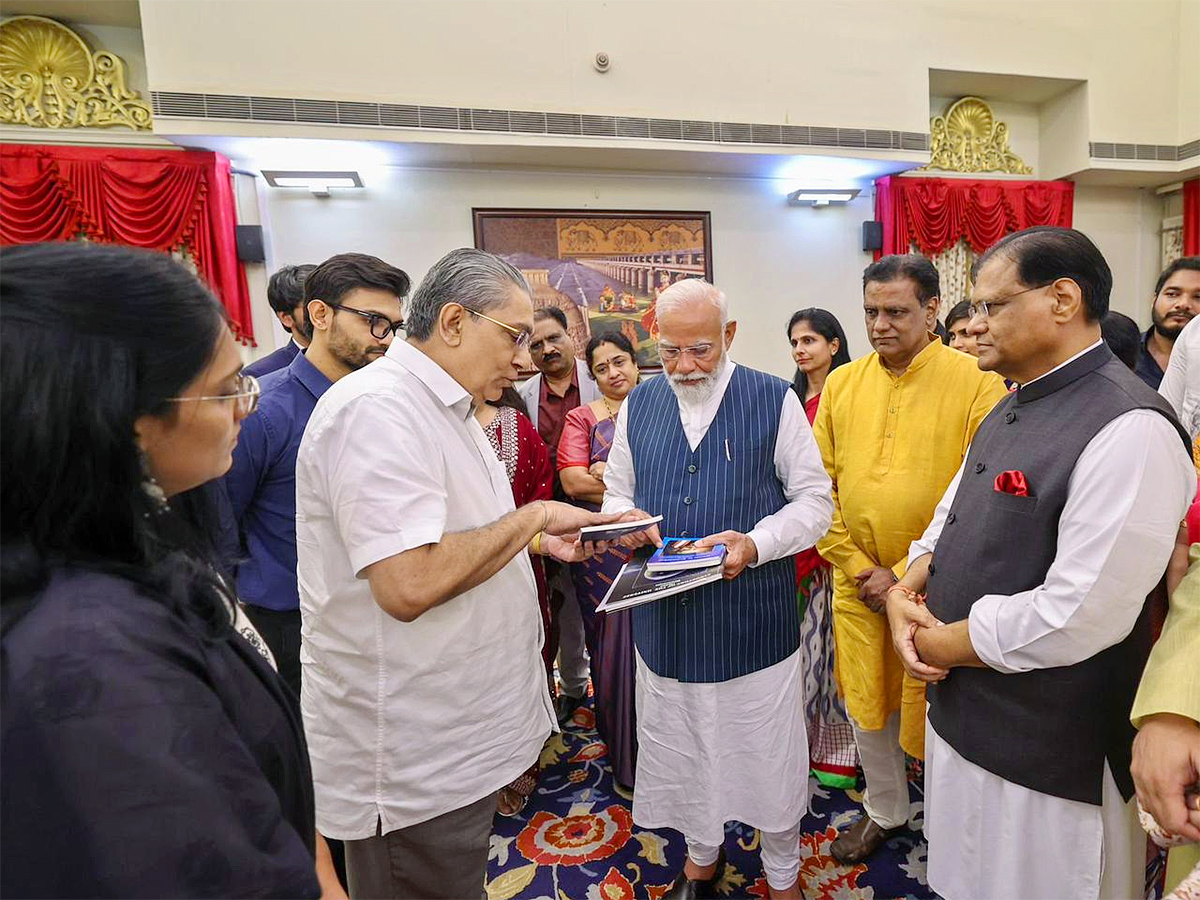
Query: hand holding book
[740,551]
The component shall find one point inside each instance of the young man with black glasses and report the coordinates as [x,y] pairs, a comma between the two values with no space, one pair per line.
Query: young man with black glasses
[353,307]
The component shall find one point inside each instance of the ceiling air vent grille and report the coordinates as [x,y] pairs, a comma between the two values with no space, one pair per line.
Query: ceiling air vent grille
[358,113]
[563,123]
[167,104]
[599,126]
[528,122]
[321,112]
[438,117]
[272,109]
[397,115]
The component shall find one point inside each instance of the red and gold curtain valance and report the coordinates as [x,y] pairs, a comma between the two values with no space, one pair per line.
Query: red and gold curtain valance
[936,213]
[156,199]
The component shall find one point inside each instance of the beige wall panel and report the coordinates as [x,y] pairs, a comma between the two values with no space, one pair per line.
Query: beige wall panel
[1124,223]
[1189,70]
[859,63]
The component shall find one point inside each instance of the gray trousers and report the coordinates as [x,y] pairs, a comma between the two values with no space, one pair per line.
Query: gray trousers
[445,857]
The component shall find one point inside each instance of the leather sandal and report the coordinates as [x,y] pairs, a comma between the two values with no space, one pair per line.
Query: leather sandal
[859,841]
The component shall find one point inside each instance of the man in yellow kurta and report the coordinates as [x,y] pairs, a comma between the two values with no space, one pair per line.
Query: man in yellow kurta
[893,428]
[1166,754]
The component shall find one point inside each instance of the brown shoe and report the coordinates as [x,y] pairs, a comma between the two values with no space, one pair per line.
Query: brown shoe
[859,841]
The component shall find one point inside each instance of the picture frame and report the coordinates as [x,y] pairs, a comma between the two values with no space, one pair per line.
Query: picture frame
[603,268]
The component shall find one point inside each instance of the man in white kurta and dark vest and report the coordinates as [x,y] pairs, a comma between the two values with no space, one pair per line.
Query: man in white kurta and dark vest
[1038,560]
[724,454]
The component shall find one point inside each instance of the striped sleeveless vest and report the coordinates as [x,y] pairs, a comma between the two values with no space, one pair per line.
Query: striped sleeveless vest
[731,628]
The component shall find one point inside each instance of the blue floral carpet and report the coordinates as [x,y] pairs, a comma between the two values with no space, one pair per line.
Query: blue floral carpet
[576,840]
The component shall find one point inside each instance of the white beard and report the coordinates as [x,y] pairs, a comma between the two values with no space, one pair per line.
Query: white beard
[694,390]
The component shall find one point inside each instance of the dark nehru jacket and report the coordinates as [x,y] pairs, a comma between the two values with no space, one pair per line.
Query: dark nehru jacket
[1050,730]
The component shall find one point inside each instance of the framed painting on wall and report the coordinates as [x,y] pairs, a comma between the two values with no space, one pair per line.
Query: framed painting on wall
[603,268]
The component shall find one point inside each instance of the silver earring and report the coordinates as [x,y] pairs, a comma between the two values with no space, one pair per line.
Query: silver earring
[151,487]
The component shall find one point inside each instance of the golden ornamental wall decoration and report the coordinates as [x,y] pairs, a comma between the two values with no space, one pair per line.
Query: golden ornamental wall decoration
[968,138]
[50,78]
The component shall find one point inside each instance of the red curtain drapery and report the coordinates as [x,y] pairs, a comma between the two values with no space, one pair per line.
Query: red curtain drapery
[936,213]
[1191,217]
[156,199]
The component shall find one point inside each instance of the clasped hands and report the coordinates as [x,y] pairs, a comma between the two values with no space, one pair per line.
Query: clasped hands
[910,624]
[740,549]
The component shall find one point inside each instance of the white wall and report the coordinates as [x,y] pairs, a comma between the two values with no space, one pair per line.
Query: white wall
[1124,223]
[770,259]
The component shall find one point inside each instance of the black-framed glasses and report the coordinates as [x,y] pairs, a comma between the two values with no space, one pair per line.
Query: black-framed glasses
[520,336]
[246,395]
[381,326]
[985,308]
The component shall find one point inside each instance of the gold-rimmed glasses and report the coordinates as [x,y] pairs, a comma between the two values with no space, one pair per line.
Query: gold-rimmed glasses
[670,353]
[520,336]
[246,395]
[985,308]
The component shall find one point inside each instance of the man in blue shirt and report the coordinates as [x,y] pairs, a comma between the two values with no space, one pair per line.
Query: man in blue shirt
[1176,302]
[285,293]
[354,306]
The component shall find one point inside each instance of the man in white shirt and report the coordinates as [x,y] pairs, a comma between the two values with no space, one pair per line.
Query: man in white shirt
[1181,382]
[1038,558]
[420,622]
[725,455]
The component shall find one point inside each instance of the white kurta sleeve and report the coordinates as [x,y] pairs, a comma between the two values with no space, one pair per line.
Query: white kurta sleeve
[619,480]
[928,540]
[1182,368]
[1131,486]
[806,486]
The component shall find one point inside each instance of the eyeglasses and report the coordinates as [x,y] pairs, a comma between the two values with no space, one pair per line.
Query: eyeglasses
[246,395]
[381,326]
[985,308]
[669,353]
[520,336]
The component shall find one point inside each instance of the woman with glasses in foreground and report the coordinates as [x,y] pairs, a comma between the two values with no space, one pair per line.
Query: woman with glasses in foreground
[148,748]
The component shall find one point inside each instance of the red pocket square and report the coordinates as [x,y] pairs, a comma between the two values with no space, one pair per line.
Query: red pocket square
[1012,482]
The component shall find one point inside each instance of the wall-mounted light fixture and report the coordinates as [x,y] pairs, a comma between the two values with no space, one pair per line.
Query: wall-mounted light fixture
[319,183]
[821,196]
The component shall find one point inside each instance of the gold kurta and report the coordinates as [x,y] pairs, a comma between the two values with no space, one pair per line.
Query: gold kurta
[891,446]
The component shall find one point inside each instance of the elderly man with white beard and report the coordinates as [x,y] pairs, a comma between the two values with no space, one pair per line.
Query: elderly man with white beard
[724,453]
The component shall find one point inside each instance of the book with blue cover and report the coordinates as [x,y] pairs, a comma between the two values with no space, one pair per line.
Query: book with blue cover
[681,554]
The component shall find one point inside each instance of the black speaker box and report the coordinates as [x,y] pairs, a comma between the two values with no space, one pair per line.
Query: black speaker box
[250,243]
[872,234]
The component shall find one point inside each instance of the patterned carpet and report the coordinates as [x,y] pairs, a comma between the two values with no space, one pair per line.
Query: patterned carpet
[576,840]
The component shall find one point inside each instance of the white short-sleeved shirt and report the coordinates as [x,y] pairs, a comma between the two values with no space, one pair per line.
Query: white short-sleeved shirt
[406,721]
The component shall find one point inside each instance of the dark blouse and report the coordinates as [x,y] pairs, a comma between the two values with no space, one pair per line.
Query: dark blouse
[140,759]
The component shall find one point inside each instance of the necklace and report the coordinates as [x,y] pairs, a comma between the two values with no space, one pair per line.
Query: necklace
[612,413]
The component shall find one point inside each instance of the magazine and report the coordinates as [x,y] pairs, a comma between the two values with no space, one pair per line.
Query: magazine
[635,586]
[678,554]
[593,533]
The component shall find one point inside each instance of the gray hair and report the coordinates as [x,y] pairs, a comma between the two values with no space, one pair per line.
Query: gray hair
[476,279]
[693,290]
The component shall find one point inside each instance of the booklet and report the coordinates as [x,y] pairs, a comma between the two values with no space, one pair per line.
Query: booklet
[635,586]
[678,554]
[593,533]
